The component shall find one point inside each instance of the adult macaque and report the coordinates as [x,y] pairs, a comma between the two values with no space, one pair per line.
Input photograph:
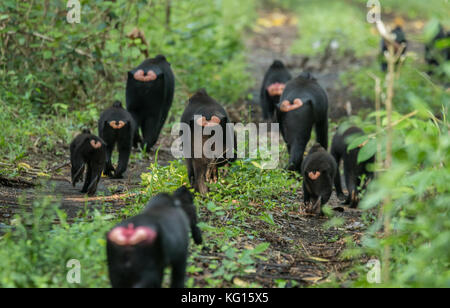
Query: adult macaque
[202,113]
[150,90]
[87,151]
[353,171]
[117,127]
[319,171]
[140,248]
[272,88]
[304,104]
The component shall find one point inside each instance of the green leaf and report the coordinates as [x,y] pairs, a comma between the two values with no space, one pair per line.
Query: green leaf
[367,151]
[356,142]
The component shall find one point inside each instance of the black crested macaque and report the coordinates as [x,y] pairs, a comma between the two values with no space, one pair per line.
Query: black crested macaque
[140,248]
[206,115]
[319,171]
[400,42]
[149,93]
[272,88]
[352,170]
[304,104]
[116,126]
[434,55]
[87,150]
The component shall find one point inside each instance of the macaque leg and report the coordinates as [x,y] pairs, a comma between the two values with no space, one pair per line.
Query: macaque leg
[87,181]
[306,194]
[351,185]
[337,179]
[200,169]
[178,273]
[124,157]
[322,134]
[96,174]
[296,156]
[150,132]
[213,174]
[109,169]
[190,170]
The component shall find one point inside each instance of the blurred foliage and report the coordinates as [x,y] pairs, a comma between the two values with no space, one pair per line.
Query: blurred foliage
[35,253]
[72,71]
[418,190]
[321,28]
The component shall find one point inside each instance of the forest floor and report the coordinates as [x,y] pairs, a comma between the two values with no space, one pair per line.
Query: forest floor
[302,249]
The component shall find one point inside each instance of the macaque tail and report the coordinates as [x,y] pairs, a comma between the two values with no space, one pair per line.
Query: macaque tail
[184,196]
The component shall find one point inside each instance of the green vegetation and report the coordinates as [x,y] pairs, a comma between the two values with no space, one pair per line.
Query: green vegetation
[71,72]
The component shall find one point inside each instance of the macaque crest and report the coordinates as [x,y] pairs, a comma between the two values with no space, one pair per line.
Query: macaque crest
[132,236]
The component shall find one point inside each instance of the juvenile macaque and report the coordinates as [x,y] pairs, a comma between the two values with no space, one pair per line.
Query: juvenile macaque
[87,152]
[117,127]
[319,171]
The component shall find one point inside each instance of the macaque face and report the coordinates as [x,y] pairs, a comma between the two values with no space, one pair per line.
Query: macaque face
[287,106]
[141,76]
[132,236]
[205,123]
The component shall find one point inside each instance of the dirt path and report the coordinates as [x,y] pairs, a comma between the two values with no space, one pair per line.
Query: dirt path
[111,195]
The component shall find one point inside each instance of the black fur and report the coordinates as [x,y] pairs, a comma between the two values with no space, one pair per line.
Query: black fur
[352,170]
[201,170]
[277,73]
[433,55]
[142,265]
[123,138]
[318,191]
[296,126]
[83,155]
[149,102]
[400,38]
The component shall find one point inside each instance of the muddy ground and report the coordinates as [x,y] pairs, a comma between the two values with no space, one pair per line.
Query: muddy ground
[302,250]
